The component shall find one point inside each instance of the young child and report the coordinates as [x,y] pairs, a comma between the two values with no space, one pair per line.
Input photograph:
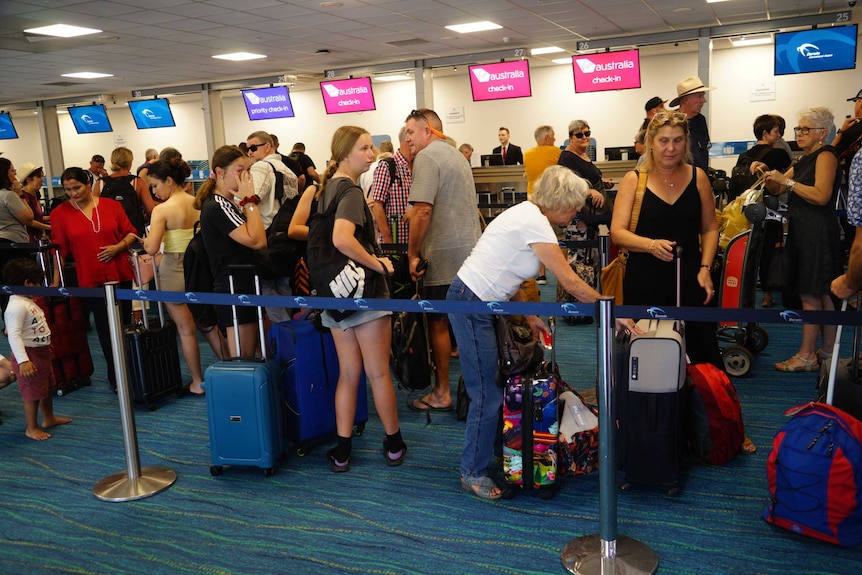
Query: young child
[30,341]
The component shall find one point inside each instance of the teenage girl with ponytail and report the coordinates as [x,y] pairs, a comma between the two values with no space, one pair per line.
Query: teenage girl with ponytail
[363,339]
[232,230]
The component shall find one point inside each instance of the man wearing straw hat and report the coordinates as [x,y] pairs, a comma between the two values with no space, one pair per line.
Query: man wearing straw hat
[690,97]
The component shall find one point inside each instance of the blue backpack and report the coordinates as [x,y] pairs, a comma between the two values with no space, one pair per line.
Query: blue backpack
[814,473]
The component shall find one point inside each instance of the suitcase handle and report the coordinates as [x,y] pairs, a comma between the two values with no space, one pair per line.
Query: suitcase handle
[247,268]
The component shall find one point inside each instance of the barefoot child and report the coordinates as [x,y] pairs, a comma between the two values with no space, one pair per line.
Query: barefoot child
[30,341]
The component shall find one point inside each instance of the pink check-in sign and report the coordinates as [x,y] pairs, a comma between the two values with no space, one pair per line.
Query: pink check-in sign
[500,80]
[351,95]
[607,71]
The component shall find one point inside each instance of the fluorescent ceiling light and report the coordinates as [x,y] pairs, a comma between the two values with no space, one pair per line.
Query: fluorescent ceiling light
[240,56]
[62,31]
[546,50]
[392,78]
[715,1]
[87,75]
[474,27]
[562,60]
[751,41]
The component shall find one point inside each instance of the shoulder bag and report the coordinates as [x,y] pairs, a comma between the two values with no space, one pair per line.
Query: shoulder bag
[614,273]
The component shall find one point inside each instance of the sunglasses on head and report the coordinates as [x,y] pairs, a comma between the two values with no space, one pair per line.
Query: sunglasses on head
[579,135]
[254,147]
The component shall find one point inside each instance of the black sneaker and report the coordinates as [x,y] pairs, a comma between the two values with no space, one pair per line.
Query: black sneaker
[542,280]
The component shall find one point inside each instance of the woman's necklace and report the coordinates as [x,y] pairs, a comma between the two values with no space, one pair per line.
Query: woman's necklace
[668,182]
[97,225]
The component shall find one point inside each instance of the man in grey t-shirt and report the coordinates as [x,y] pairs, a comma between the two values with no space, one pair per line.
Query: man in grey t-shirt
[444,227]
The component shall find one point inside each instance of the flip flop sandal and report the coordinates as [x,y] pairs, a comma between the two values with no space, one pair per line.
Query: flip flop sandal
[428,406]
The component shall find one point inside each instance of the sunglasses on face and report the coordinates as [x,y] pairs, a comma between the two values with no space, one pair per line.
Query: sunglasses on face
[254,147]
[579,135]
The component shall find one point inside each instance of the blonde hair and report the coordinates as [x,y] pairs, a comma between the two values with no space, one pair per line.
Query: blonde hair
[343,141]
[559,189]
[121,159]
[658,122]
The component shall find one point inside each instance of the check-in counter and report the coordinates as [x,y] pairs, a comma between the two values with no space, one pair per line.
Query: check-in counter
[500,186]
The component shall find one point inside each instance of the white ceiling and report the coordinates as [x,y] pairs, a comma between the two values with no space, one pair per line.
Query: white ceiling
[161,43]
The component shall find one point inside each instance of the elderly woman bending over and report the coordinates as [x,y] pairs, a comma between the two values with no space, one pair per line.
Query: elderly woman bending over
[509,251]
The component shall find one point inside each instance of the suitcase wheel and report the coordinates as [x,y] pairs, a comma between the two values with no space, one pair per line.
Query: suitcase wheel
[359,430]
[673,491]
[737,360]
[269,472]
[626,486]
[302,449]
[216,470]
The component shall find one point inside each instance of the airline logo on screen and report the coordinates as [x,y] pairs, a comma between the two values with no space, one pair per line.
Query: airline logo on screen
[150,115]
[502,80]
[608,71]
[351,95]
[268,103]
[89,120]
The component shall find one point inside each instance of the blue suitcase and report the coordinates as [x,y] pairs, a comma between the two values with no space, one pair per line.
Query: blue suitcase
[244,411]
[308,379]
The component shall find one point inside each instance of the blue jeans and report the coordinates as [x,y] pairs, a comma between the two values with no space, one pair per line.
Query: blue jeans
[477,349]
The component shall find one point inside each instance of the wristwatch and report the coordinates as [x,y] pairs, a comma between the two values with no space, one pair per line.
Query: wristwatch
[788,186]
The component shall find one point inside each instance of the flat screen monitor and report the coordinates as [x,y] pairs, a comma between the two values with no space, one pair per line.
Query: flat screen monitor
[607,71]
[500,80]
[818,50]
[351,95]
[90,119]
[492,159]
[267,103]
[155,113]
[7,128]
[621,153]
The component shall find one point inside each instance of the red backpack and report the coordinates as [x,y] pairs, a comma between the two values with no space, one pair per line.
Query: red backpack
[715,430]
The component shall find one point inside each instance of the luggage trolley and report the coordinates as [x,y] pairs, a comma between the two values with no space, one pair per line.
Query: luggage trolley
[738,288]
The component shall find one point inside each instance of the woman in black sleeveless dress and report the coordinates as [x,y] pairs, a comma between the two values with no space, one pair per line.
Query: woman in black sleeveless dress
[813,237]
[678,210]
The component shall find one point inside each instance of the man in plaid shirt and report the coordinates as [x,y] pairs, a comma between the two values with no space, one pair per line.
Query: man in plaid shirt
[388,196]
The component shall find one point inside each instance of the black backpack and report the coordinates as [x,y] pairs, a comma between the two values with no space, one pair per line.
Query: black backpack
[280,190]
[123,190]
[279,257]
[199,278]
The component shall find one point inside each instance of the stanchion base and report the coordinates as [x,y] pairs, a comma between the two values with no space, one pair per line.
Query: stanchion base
[583,556]
[118,487]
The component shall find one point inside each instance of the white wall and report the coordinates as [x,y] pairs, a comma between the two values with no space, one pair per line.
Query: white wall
[613,116]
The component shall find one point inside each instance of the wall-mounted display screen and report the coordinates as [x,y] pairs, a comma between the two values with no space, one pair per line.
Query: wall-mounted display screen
[90,119]
[500,80]
[154,113]
[607,71]
[818,50]
[267,103]
[7,128]
[351,95]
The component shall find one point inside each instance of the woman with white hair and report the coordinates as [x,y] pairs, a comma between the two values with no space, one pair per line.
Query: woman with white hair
[508,252]
[813,236]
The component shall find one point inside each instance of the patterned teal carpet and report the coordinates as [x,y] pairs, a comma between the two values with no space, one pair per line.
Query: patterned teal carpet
[415,519]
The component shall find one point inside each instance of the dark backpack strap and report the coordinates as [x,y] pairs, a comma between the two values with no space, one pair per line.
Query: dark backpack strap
[279,183]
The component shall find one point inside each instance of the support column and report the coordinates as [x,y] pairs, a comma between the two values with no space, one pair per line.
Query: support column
[52,147]
[704,59]
[213,119]
[424,87]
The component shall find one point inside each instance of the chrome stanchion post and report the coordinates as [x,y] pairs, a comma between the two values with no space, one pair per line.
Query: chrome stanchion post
[605,553]
[604,256]
[135,482]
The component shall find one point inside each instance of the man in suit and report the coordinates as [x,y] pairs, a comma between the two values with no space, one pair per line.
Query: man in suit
[511,153]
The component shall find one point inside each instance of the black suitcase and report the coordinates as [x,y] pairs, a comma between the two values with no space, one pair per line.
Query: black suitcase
[845,379]
[650,402]
[152,355]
